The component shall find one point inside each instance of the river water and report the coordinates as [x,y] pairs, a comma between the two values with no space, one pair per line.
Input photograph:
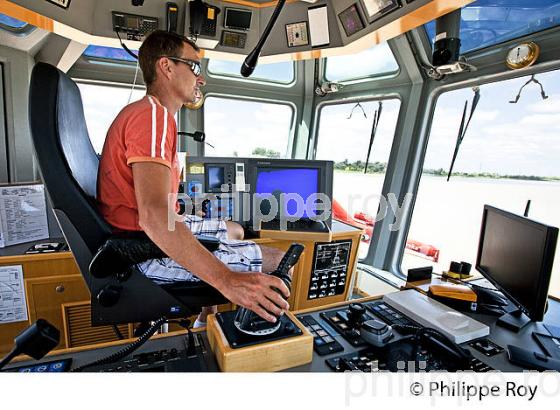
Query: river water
[447,215]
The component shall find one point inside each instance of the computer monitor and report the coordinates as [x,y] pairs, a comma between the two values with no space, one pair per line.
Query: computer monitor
[516,255]
[304,178]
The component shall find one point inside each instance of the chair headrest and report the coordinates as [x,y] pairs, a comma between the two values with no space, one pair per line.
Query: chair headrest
[66,157]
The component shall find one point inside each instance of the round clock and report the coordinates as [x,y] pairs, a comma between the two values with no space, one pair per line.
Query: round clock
[522,55]
[197,103]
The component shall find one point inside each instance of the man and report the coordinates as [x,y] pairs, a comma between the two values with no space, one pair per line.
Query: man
[139,170]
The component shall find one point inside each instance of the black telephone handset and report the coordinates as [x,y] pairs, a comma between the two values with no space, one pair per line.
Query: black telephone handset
[203,18]
[437,342]
[171,14]
[441,343]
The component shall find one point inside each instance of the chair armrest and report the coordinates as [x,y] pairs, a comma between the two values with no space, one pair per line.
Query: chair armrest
[124,250]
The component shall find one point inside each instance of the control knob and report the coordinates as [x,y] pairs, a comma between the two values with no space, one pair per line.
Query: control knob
[356,314]
[376,332]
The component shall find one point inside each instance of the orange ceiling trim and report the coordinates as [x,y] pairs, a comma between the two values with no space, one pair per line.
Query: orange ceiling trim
[256,5]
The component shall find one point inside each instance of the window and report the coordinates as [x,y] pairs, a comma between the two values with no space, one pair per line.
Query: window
[282,73]
[102,103]
[345,141]
[14,25]
[373,62]
[242,128]
[509,155]
[108,53]
[488,22]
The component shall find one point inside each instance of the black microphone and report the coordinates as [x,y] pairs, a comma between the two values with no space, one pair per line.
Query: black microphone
[250,62]
[198,136]
[35,341]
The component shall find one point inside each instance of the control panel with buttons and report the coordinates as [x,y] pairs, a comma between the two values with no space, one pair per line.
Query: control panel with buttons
[323,342]
[348,321]
[330,269]
[55,366]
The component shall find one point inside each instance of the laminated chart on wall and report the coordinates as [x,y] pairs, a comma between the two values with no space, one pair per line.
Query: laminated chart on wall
[13,306]
[23,214]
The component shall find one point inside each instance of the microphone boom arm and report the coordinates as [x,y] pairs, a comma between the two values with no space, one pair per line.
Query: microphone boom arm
[251,61]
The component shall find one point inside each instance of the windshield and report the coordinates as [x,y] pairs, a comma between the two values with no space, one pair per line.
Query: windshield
[509,156]
[488,22]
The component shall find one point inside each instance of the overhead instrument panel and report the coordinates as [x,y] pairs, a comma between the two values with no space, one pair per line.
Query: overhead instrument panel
[134,26]
[60,3]
[334,26]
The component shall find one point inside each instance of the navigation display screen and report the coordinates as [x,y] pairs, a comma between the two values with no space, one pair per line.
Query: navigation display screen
[238,19]
[277,181]
[215,178]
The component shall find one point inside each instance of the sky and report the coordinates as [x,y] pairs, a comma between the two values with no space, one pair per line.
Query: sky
[504,138]
[101,106]
[341,138]
[278,72]
[373,61]
[237,126]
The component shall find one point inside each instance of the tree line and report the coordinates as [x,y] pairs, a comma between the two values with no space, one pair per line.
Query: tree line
[381,167]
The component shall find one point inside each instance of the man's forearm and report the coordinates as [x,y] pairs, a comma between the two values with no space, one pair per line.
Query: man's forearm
[253,290]
[183,247]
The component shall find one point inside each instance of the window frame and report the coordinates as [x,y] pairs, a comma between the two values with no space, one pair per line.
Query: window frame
[228,77]
[293,125]
[397,250]
[314,139]
[397,253]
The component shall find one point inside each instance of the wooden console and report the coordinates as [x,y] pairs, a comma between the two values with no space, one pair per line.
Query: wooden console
[265,357]
[303,271]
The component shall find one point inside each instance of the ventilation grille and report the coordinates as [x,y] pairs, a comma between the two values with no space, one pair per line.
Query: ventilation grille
[79,332]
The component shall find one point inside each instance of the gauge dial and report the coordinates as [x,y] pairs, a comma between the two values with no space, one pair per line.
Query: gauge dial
[197,103]
[523,55]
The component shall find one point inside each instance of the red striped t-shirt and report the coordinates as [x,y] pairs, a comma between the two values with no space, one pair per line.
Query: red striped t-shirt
[144,131]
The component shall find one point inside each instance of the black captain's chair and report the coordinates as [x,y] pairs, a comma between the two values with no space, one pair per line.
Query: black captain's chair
[119,292]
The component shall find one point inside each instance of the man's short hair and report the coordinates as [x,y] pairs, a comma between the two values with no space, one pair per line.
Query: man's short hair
[160,43]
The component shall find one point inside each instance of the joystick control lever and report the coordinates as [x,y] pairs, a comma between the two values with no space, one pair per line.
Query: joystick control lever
[356,314]
[250,323]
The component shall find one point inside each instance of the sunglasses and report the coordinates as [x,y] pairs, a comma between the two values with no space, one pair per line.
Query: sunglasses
[193,65]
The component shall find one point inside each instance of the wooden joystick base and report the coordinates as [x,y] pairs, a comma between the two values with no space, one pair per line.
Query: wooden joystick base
[262,357]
